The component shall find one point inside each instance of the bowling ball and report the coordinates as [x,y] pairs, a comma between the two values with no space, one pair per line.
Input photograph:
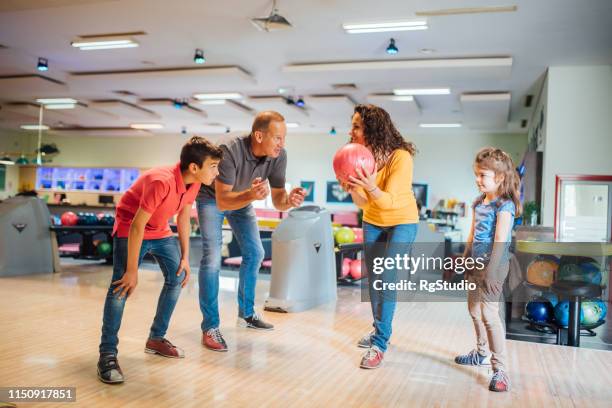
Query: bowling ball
[104,249]
[603,306]
[92,219]
[69,218]
[345,235]
[562,313]
[578,273]
[541,271]
[551,297]
[350,157]
[592,272]
[356,269]
[107,220]
[591,313]
[358,235]
[539,310]
[346,267]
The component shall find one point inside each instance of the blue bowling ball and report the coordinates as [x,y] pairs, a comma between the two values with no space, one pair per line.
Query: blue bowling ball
[562,313]
[539,310]
[551,297]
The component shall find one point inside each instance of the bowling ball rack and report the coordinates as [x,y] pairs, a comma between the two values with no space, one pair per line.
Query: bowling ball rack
[87,249]
[586,330]
[346,251]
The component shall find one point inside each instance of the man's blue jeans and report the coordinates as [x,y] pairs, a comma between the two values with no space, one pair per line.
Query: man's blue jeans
[390,240]
[246,232]
[167,253]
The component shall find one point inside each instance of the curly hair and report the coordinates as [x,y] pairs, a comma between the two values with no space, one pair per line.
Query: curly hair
[381,136]
[501,164]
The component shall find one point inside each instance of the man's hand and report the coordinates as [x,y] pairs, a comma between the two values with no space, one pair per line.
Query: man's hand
[259,189]
[296,196]
[492,288]
[126,285]
[184,266]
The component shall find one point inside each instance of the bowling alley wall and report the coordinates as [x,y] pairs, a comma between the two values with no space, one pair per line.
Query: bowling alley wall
[444,160]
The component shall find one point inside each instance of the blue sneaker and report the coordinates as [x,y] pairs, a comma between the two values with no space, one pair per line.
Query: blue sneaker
[473,358]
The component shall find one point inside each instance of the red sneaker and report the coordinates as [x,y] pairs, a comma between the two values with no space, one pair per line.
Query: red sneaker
[373,358]
[499,382]
[213,340]
[164,348]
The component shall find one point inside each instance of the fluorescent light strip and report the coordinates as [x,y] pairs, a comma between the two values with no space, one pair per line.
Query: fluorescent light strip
[228,95]
[107,47]
[80,44]
[440,125]
[46,101]
[7,162]
[293,124]
[212,102]
[431,91]
[389,24]
[385,30]
[402,98]
[60,106]
[34,127]
[146,126]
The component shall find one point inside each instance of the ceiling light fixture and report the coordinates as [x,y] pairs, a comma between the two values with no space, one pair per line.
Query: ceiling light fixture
[292,125]
[198,58]
[332,131]
[392,49]
[273,22]
[61,106]
[208,96]
[22,160]
[422,91]
[402,98]
[43,64]
[300,102]
[7,161]
[213,102]
[103,42]
[146,126]
[49,101]
[34,127]
[407,25]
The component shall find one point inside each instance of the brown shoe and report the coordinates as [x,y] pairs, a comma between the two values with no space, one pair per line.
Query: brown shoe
[164,348]
[213,340]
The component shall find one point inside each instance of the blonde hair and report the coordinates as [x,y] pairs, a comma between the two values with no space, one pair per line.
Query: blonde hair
[498,161]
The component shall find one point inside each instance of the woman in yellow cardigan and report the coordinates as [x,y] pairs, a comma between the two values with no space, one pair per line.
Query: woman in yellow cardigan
[390,215]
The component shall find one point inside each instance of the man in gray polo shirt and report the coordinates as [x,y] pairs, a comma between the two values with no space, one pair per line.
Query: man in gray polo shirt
[252,167]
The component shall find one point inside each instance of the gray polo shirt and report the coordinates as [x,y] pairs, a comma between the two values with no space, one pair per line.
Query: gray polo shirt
[240,167]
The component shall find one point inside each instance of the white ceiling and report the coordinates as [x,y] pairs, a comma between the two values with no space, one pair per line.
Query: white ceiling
[242,59]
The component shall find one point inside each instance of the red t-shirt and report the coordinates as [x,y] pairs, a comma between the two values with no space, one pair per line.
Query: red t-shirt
[162,193]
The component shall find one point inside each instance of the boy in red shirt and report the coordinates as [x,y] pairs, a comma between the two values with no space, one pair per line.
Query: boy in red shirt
[141,227]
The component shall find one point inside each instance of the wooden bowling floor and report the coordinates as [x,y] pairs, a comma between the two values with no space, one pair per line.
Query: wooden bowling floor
[51,329]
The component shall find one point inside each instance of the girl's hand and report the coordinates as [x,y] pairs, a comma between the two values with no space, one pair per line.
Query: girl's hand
[347,186]
[363,180]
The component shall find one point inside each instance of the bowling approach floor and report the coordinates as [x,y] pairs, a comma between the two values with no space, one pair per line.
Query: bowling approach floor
[51,329]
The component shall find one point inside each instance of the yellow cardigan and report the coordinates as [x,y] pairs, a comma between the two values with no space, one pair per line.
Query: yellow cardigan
[397,204]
